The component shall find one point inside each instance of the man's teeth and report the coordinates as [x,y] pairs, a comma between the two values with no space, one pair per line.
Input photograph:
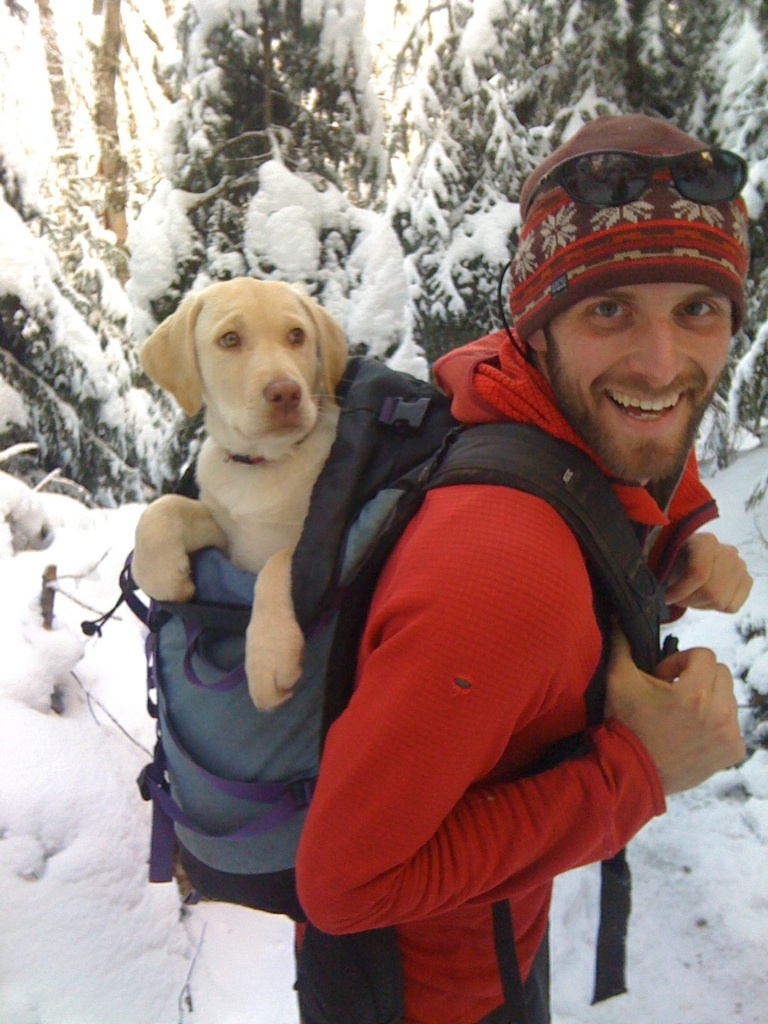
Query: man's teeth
[644,404]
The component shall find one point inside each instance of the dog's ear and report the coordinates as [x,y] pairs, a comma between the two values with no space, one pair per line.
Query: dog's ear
[168,356]
[332,345]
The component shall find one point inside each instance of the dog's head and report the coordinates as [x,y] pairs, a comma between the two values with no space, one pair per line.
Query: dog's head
[260,356]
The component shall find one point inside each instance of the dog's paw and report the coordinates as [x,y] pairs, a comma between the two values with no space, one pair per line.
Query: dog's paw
[273,654]
[166,577]
[160,563]
[161,567]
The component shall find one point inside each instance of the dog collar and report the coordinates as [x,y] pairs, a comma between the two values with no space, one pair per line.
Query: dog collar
[246,460]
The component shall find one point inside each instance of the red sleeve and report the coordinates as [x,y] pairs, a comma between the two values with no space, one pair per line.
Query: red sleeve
[479,645]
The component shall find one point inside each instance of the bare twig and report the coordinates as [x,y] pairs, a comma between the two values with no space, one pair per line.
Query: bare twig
[47,479]
[185,996]
[94,700]
[87,572]
[82,494]
[88,607]
[759,530]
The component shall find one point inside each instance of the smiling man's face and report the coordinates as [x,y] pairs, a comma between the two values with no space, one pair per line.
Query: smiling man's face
[633,370]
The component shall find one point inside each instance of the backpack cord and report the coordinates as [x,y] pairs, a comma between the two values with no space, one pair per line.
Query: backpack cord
[93,627]
[128,590]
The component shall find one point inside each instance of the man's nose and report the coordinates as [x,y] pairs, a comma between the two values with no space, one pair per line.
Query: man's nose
[656,355]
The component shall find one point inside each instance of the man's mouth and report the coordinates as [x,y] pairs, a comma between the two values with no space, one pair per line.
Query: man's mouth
[643,407]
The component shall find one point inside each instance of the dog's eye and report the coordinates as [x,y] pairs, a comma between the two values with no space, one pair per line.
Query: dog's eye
[296,336]
[229,340]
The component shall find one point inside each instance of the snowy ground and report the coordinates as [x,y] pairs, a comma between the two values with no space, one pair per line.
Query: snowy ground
[86,940]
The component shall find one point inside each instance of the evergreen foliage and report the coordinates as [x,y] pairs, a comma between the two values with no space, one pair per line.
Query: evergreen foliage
[260,82]
[273,149]
[274,163]
[66,368]
[486,106]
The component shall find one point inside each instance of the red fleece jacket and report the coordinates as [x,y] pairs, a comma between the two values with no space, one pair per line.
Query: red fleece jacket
[478,648]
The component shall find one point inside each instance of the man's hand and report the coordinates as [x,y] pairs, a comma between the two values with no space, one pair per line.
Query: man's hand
[685,715]
[708,575]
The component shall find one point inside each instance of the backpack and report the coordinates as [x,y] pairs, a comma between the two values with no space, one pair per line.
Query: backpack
[232,785]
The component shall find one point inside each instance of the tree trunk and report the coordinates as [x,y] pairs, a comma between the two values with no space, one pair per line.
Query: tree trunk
[62,112]
[112,165]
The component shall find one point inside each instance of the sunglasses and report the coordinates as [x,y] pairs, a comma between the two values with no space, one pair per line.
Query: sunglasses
[613,178]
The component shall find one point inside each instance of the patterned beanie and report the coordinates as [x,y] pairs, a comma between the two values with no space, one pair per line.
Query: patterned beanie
[569,251]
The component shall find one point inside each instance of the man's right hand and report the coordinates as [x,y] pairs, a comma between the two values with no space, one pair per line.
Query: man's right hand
[685,715]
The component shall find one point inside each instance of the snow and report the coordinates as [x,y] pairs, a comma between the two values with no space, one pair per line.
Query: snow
[24,524]
[12,408]
[24,100]
[86,939]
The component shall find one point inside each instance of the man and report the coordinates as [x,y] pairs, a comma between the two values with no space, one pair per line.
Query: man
[482,636]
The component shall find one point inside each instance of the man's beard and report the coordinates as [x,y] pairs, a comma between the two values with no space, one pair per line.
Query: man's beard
[654,460]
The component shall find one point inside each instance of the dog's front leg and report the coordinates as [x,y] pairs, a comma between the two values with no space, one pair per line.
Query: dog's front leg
[168,530]
[274,642]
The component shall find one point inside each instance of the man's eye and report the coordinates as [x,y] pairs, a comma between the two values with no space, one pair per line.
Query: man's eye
[607,309]
[698,308]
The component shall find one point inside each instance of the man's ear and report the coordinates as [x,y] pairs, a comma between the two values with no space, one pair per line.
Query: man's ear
[537,344]
[168,355]
[537,341]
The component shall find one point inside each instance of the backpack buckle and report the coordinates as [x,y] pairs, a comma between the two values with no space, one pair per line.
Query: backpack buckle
[402,414]
[301,792]
[152,775]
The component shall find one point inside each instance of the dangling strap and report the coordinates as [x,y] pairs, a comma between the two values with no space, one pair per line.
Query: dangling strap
[615,906]
[509,969]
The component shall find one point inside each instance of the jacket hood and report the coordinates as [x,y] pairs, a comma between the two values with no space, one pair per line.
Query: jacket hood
[489,380]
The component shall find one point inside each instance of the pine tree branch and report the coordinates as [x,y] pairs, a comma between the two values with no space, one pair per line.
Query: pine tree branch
[10,366]
[18,449]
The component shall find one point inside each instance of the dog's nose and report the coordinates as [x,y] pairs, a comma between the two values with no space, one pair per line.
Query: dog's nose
[283,395]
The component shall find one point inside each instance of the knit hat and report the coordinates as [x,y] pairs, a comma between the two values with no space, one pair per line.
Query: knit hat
[569,250]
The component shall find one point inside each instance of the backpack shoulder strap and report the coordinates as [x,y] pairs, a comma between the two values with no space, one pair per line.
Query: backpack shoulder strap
[390,423]
[527,458]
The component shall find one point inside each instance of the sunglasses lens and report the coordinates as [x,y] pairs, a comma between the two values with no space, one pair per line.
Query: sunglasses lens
[604,179]
[712,176]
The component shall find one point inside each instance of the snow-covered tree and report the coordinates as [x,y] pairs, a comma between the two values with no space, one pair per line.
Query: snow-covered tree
[273,149]
[492,94]
[259,80]
[67,370]
[674,41]
[704,65]
[273,163]
[738,117]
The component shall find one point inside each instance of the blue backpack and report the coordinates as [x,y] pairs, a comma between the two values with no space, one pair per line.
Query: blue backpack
[230,785]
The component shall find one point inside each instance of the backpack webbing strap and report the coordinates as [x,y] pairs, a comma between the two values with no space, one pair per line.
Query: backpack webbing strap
[615,907]
[527,458]
[506,954]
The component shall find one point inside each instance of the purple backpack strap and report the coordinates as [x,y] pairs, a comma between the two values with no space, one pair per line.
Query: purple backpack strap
[229,681]
[285,798]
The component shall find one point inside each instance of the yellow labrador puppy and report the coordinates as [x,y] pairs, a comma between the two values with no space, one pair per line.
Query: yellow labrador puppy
[264,361]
